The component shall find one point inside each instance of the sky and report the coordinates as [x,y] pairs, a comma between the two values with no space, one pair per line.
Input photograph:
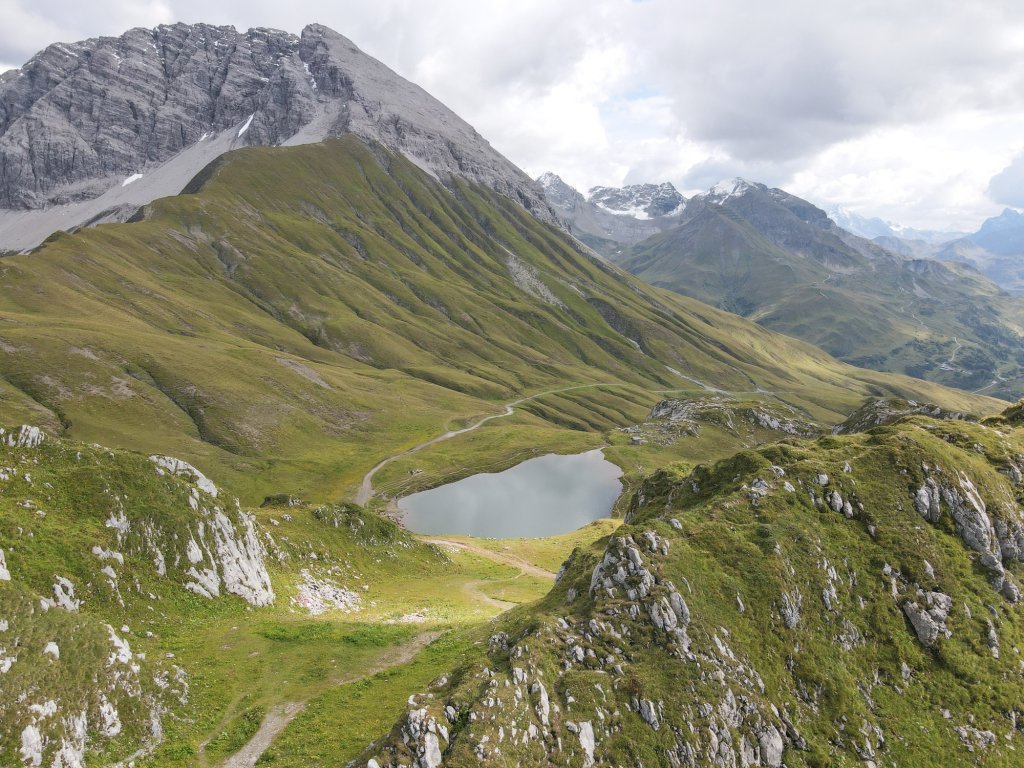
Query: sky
[911,110]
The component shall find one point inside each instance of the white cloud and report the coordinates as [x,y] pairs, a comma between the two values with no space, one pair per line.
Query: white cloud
[904,110]
[1007,186]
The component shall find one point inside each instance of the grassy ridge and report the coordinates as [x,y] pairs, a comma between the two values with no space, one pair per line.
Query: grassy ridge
[312,310]
[796,638]
[225,663]
[775,259]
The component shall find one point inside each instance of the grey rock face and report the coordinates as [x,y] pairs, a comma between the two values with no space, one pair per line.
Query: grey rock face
[80,119]
[642,201]
[928,617]
[611,217]
[926,501]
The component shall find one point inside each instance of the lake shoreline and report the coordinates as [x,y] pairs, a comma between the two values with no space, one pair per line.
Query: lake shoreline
[542,496]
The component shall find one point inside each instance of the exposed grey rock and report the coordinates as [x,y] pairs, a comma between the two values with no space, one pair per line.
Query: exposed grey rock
[5,575]
[972,522]
[26,437]
[424,736]
[771,745]
[790,609]
[974,738]
[610,217]
[926,501]
[586,736]
[648,712]
[835,501]
[875,413]
[106,114]
[992,639]
[929,619]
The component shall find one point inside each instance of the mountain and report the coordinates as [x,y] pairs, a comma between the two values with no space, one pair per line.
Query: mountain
[844,601]
[90,131]
[641,201]
[1002,235]
[873,228]
[190,399]
[609,218]
[770,256]
[306,311]
[996,249]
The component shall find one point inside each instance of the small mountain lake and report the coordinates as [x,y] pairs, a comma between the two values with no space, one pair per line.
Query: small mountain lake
[544,496]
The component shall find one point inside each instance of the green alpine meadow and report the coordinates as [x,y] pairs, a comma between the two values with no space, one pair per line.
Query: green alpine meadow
[328,437]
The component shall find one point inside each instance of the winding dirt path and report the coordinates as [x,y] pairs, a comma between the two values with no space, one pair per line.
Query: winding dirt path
[505,558]
[475,588]
[279,715]
[365,492]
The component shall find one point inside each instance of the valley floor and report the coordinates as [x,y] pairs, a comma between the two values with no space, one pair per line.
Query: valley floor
[278,715]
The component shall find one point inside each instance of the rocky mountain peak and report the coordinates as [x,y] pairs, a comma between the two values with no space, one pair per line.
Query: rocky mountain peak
[641,201]
[99,127]
[1008,219]
[729,188]
[560,195]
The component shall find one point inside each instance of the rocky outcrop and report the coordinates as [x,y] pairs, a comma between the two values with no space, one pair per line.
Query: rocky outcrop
[524,709]
[130,118]
[928,616]
[997,541]
[673,420]
[26,437]
[221,551]
[882,411]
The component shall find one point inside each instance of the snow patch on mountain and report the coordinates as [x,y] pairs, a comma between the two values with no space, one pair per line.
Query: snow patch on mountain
[639,201]
[724,190]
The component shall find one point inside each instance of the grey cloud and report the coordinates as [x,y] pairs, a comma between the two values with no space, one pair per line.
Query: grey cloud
[786,79]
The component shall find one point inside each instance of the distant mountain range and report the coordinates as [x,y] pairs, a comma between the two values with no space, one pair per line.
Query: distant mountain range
[996,249]
[873,227]
[777,259]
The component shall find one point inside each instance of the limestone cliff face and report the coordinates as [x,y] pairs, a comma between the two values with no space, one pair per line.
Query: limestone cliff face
[83,119]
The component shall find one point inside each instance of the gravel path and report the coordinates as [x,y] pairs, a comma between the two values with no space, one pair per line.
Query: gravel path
[279,715]
[365,492]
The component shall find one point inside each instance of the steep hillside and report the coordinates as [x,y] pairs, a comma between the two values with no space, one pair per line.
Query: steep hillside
[146,619]
[97,549]
[846,601]
[778,260]
[89,131]
[311,310]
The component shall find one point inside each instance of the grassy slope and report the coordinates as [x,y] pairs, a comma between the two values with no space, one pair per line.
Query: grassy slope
[756,257]
[240,661]
[850,676]
[313,309]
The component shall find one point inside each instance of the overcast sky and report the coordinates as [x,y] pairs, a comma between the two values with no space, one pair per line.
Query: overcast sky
[912,110]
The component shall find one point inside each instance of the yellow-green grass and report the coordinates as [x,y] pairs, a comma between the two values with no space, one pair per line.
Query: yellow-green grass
[312,310]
